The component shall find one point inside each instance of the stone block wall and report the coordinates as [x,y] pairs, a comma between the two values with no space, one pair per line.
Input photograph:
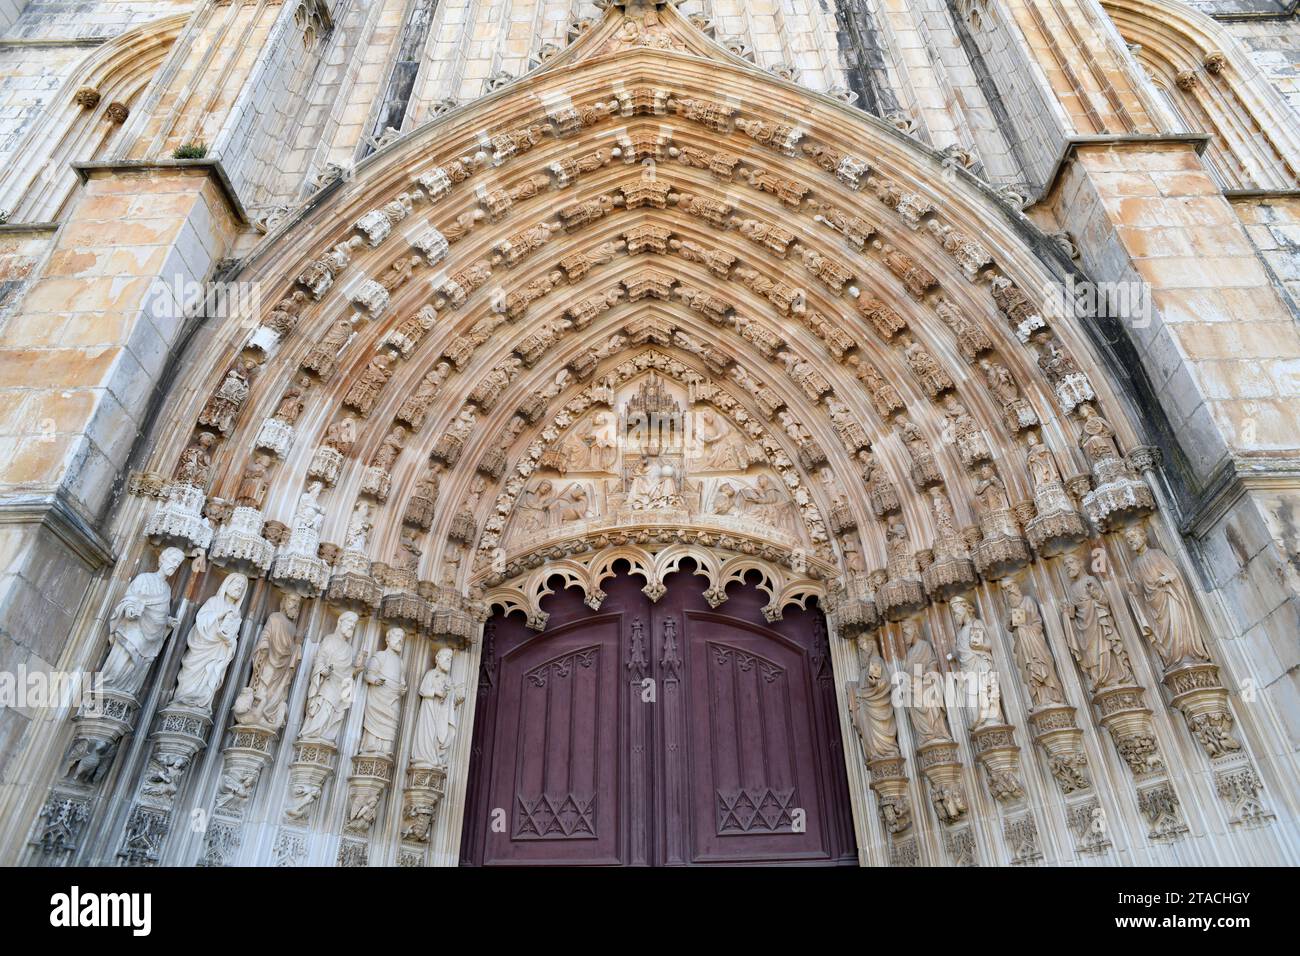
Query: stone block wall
[79,20]
[97,329]
[1273,225]
[30,77]
[1274,45]
[22,249]
[268,112]
[81,369]
[1036,123]
[10,11]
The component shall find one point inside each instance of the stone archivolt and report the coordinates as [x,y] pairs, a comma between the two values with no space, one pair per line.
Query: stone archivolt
[815,285]
[728,306]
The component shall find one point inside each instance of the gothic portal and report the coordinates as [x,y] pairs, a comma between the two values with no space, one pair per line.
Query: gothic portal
[684,434]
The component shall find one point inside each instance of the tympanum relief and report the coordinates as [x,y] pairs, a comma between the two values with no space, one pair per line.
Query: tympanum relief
[649,454]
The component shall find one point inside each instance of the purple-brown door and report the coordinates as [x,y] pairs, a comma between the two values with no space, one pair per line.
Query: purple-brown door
[650,734]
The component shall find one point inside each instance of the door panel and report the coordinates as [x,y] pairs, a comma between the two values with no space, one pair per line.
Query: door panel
[555,750]
[665,733]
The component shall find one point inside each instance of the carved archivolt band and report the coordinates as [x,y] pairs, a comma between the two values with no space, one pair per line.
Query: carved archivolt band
[399,323]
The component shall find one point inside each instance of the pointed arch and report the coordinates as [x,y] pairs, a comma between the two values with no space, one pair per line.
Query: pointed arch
[877,321]
[84,119]
[1212,85]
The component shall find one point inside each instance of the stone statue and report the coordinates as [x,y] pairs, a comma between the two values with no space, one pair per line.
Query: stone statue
[253,483]
[235,789]
[1162,604]
[1032,653]
[765,504]
[264,701]
[196,461]
[1096,436]
[304,795]
[534,506]
[358,530]
[851,545]
[975,657]
[223,405]
[716,446]
[210,646]
[291,404]
[929,719]
[341,434]
[384,699]
[991,491]
[1042,465]
[871,705]
[569,505]
[1090,626]
[163,778]
[654,486]
[435,728]
[362,809]
[309,515]
[139,624]
[724,499]
[89,761]
[1000,381]
[389,449]
[948,540]
[329,689]
[595,446]
[408,553]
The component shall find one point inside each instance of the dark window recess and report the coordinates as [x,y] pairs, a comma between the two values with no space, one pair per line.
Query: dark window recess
[863,57]
[402,80]
[989,87]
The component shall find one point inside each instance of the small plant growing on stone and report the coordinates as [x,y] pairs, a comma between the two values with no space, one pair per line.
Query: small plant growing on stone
[190,151]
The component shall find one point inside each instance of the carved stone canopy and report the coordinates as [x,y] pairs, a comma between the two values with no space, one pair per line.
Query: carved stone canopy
[652,553]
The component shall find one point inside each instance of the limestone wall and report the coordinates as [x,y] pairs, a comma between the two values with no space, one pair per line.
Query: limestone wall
[22,250]
[1274,45]
[65,20]
[29,79]
[1273,225]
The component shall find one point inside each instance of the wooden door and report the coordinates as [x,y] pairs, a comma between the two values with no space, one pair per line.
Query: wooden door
[665,733]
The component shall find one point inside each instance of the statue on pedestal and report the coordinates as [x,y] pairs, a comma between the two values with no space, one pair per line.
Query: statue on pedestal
[1032,654]
[384,699]
[435,729]
[1162,604]
[139,624]
[264,701]
[210,646]
[329,690]
[870,703]
[975,657]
